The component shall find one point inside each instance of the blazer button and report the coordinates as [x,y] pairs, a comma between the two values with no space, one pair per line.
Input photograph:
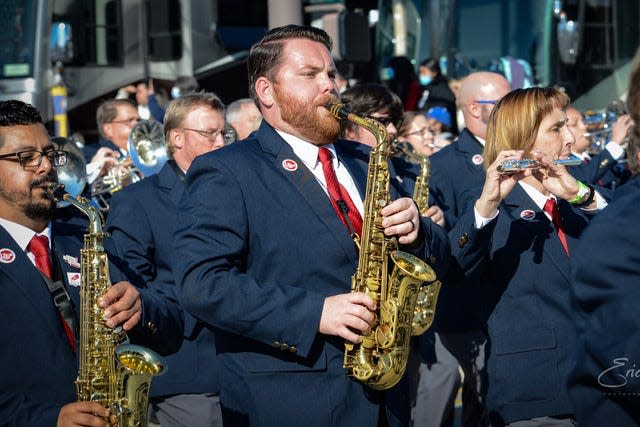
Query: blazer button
[284,347]
[462,241]
[293,349]
[152,327]
[276,344]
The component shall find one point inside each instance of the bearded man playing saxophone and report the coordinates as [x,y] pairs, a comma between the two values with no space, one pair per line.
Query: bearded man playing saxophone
[261,254]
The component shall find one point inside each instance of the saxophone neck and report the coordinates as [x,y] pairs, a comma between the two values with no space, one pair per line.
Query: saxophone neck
[379,131]
[57,190]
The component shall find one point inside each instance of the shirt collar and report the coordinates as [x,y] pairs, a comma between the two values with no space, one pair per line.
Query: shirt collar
[306,151]
[538,198]
[23,235]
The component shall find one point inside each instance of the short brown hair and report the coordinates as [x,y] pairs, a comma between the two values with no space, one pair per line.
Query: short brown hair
[266,55]
[108,111]
[515,120]
[180,107]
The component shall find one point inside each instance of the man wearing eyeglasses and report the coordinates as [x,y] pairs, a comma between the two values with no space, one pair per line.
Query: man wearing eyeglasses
[455,171]
[115,119]
[40,275]
[141,219]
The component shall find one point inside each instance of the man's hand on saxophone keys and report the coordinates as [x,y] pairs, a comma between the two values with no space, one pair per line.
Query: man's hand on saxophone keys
[402,219]
[435,214]
[122,305]
[83,414]
[348,316]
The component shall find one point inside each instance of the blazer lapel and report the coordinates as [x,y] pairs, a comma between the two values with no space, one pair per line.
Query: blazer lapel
[26,280]
[356,164]
[528,217]
[170,182]
[306,185]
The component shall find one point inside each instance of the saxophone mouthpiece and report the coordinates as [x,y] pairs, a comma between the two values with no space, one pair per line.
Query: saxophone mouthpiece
[331,102]
[56,189]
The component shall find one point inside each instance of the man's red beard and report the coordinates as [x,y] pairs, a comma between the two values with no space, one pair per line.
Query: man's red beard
[311,124]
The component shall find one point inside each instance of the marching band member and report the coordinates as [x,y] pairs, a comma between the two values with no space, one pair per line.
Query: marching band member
[262,256]
[515,242]
[39,357]
[141,219]
[604,384]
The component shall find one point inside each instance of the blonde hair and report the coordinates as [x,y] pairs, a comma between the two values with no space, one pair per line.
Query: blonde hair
[515,120]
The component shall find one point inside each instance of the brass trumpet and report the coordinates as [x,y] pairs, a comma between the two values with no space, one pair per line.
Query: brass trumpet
[510,166]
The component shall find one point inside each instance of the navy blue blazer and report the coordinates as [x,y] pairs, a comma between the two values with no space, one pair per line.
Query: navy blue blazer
[141,221]
[257,250]
[517,260]
[605,276]
[38,365]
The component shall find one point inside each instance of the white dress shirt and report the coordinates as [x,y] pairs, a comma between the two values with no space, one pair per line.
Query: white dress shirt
[308,153]
[23,235]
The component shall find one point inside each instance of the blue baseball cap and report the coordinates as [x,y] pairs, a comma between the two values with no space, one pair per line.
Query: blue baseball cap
[440,114]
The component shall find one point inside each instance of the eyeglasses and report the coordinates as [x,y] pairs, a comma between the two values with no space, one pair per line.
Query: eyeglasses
[420,132]
[486,101]
[212,134]
[385,121]
[131,121]
[33,158]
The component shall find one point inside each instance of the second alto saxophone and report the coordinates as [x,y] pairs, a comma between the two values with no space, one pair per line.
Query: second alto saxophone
[390,277]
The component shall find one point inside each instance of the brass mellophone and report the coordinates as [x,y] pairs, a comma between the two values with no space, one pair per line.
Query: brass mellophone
[513,165]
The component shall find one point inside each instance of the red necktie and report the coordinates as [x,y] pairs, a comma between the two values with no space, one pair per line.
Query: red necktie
[39,247]
[551,207]
[338,195]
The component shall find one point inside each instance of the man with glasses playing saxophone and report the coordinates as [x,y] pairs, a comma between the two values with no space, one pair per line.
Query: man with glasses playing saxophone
[141,223]
[39,287]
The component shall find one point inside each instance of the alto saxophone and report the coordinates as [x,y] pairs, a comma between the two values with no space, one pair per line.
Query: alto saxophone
[427,295]
[112,372]
[380,360]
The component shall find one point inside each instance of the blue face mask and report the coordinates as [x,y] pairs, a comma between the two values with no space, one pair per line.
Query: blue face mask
[175,92]
[425,80]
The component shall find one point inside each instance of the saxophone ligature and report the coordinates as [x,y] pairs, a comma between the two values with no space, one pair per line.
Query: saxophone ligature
[380,360]
[112,372]
[425,310]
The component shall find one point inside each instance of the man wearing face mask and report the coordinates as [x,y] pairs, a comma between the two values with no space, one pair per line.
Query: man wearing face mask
[435,90]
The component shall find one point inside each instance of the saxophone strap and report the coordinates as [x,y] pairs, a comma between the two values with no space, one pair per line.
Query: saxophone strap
[62,301]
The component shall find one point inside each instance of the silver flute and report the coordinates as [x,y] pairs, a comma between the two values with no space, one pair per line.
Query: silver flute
[513,165]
